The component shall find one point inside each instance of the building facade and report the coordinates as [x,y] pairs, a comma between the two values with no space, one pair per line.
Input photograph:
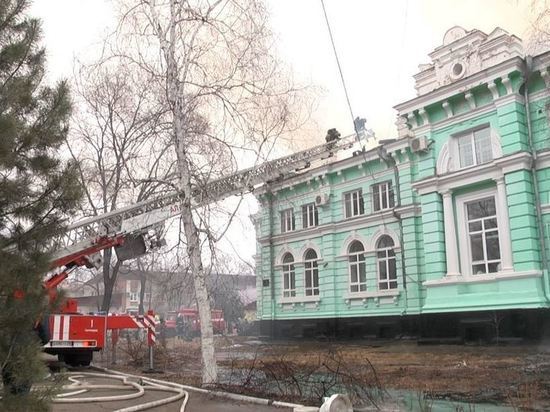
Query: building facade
[440,232]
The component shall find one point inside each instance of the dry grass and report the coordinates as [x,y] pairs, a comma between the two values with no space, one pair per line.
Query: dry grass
[510,374]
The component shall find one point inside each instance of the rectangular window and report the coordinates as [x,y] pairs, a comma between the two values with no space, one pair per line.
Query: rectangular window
[382,196]
[353,203]
[287,220]
[310,215]
[474,148]
[134,297]
[482,228]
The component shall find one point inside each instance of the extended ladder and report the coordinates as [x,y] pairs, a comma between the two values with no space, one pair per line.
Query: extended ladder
[88,234]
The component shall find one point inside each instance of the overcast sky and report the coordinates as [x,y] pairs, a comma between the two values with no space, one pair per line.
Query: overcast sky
[380,45]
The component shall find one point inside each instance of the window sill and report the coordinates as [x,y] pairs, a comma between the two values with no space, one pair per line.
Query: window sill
[376,294]
[489,277]
[301,299]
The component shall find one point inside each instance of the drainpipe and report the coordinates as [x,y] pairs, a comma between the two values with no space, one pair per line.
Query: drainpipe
[271,261]
[527,67]
[390,162]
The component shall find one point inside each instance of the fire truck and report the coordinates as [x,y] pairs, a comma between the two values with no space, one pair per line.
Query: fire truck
[190,317]
[133,231]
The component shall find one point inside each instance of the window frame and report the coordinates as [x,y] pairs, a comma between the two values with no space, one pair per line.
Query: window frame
[306,224]
[357,203]
[465,252]
[311,269]
[354,260]
[288,270]
[471,134]
[385,260]
[389,196]
[288,223]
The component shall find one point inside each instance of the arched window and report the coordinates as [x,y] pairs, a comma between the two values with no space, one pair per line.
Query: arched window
[387,271]
[289,276]
[357,271]
[311,273]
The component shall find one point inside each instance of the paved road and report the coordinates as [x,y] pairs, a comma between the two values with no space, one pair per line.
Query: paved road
[197,401]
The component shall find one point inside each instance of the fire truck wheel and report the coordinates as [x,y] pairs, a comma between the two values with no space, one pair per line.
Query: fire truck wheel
[77,359]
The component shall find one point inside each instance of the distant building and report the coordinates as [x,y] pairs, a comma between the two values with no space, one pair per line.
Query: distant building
[164,291]
[442,231]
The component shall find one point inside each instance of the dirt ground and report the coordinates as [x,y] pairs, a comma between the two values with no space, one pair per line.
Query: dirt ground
[303,371]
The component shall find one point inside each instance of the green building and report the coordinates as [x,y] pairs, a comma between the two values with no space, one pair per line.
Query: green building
[440,232]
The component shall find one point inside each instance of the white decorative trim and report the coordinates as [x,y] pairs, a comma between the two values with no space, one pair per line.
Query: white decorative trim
[507,99]
[508,84]
[411,120]
[448,109]
[424,116]
[503,227]
[309,245]
[406,211]
[352,237]
[490,277]
[543,160]
[467,83]
[470,99]
[545,208]
[448,158]
[300,299]
[541,94]
[443,160]
[284,250]
[371,246]
[493,89]
[373,294]
[330,228]
[475,174]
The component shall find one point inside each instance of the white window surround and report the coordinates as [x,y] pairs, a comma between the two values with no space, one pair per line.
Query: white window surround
[356,201]
[370,243]
[454,275]
[311,268]
[503,228]
[289,277]
[309,245]
[284,250]
[449,159]
[310,215]
[288,222]
[388,256]
[382,196]
[355,263]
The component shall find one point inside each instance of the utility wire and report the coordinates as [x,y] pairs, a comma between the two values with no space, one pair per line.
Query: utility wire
[340,69]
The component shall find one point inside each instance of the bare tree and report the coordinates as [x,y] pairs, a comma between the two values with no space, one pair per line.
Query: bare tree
[118,138]
[228,98]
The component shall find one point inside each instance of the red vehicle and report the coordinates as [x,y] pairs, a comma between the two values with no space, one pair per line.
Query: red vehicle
[191,320]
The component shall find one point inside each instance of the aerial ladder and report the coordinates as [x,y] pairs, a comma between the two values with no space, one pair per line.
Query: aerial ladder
[134,230]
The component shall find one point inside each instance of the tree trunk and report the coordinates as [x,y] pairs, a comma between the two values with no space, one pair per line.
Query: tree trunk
[209,367]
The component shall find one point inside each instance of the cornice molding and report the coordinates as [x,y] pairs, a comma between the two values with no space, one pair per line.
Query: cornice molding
[487,171]
[461,86]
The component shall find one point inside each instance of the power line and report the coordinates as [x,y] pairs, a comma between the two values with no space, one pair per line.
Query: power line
[339,67]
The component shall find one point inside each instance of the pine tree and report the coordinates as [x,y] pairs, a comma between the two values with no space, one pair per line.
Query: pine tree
[37,191]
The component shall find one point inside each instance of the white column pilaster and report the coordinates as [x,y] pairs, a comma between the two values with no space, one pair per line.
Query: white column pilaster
[451,248]
[507,264]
